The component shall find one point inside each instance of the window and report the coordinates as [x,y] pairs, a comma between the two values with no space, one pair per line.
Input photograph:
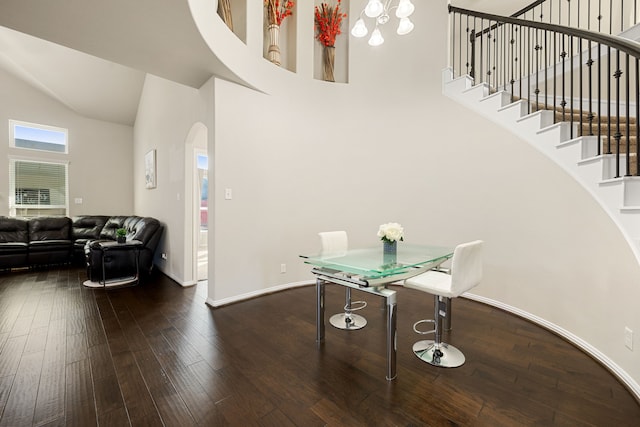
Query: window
[37,188]
[37,137]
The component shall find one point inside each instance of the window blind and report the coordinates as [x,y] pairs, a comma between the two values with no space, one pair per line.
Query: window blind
[37,188]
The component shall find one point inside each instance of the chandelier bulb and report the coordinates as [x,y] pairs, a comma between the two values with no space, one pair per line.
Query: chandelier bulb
[405,26]
[376,38]
[405,9]
[374,8]
[359,29]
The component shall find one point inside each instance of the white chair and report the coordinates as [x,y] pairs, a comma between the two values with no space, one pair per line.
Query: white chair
[335,243]
[465,273]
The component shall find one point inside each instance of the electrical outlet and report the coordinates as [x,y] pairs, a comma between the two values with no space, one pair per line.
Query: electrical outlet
[283,268]
[628,338]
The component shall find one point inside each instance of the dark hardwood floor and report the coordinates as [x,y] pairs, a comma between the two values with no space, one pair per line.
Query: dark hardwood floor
[156,355]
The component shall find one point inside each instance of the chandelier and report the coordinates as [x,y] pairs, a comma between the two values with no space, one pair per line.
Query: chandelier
[380,10]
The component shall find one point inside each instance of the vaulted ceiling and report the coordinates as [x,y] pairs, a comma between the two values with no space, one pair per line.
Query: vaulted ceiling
[93,55]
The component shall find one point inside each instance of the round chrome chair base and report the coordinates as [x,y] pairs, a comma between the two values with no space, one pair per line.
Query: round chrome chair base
[447,356]
[340,321]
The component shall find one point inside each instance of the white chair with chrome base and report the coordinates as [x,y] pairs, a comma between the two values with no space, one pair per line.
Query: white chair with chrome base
[465,273]
[336,243]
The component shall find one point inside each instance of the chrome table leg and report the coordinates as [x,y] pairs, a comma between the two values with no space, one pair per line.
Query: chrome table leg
[319,310]
[391,335]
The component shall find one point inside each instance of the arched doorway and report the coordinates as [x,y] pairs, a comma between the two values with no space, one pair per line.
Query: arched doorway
[196,204]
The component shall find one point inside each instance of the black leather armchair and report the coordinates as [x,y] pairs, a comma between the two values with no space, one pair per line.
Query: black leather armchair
[120,261]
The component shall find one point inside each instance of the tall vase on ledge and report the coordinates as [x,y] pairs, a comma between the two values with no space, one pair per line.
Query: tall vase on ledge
[390,252]
[273,53]
[328,63]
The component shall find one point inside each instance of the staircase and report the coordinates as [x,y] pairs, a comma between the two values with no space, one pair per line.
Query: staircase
[618,195]
[501,68]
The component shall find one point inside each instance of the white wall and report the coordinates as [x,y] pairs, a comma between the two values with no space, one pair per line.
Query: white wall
[100,162]
[311,156]
[166,113]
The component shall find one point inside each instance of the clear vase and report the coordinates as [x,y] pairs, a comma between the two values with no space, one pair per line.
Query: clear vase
[390,252]
[328,63]
[273,53]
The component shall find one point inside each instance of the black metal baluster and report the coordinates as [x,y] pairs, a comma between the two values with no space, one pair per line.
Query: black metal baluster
[609,75]
[529,73]
[617,75]
[473,51]
[599,17]
[453,42]
[498,53]
[489,54]
[590,65]
[546,78]
[571,111]
[537,52]
[555,74]
[505,54]
[520,37]
[637,117]
[469,46]
[514,61]
[628,123]
[453,45]
[481,49]
[600,99]
[494,65]
[610,16]
[563,55]
[580,84]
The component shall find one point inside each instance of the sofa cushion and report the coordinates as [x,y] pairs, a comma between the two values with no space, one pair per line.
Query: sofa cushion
[13,230]
[87,227]
[49,229]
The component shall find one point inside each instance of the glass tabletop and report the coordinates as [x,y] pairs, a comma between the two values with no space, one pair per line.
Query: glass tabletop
[371,262]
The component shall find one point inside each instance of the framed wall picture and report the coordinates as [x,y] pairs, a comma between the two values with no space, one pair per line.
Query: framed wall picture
[150,169]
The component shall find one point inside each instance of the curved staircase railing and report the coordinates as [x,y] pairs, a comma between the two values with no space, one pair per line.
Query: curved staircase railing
[605,16]
[587,78]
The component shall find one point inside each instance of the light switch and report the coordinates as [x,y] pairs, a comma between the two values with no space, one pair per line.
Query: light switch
[228,194]
[78,200]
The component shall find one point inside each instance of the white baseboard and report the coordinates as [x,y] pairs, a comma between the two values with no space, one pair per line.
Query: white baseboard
[258,293]
[175,279]
[620,373]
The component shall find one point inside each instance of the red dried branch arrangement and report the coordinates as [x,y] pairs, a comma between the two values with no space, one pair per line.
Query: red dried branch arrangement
[278,10]
[328,21]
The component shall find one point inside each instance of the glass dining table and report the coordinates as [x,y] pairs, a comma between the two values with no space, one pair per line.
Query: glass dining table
[370,270]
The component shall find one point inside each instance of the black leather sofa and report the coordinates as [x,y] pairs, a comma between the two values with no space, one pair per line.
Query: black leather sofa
[54,240]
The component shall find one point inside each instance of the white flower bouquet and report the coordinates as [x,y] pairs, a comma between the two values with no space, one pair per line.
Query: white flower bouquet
[391,232]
